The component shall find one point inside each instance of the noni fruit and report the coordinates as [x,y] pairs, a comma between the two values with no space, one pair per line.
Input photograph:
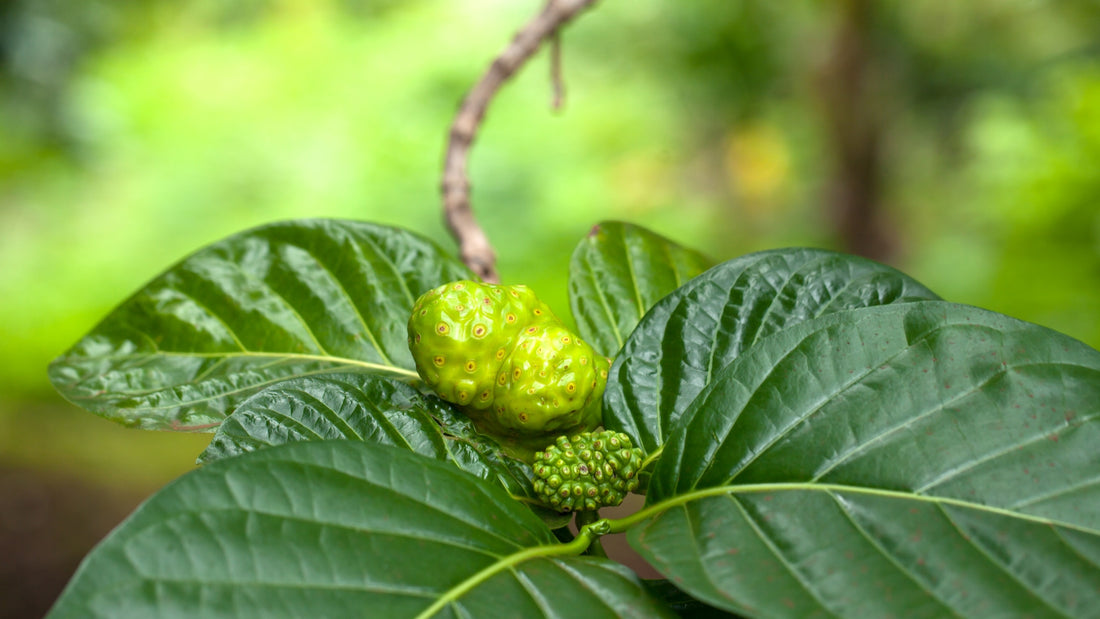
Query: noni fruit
[587,471]
[503,357]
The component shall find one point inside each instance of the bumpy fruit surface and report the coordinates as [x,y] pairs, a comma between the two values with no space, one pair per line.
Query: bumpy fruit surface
[507,361]
[587,471]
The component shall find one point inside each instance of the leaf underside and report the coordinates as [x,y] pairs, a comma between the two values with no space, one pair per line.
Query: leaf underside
[280,301]
[368,408]
[617,273]
[337,529]
[930,457]
[706,323]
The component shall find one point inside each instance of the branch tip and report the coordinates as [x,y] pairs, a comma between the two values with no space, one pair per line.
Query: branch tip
[474,248]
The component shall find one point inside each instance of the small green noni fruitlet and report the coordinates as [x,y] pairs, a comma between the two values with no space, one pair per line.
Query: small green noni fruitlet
[503,357]
[587,471]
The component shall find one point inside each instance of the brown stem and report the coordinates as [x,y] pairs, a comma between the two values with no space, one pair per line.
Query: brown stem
[473,244]
[854,111]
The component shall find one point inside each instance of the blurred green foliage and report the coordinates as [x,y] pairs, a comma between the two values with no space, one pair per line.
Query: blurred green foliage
[132,134]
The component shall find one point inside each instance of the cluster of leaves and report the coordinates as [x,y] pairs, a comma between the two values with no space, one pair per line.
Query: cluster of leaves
[825,437]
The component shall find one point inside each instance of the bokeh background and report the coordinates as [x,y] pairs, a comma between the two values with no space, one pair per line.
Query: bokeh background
[958,141]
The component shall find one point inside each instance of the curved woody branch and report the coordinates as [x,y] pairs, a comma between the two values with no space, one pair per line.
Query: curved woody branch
[474,247]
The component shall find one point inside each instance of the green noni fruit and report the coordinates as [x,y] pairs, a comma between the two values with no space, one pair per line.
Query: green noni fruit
[503,357]
[587,471]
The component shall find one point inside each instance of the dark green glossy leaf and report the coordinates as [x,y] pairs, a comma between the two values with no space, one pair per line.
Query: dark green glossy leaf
[804,553]
[925,460]
[705,324]
[374,409]
[339,529]
[681,603]
[617,273]
[284,300]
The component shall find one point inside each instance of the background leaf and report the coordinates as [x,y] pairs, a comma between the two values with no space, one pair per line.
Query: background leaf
[930,457]
[284,300]
[617,273]
[337,529]
[369,408]
[705,324]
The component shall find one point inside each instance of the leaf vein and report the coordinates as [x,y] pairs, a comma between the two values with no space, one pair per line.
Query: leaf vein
[780,557]
[866,445]
[825,398]
[633,274]
[997,564]
[890,557]
[354,308]
[603,301]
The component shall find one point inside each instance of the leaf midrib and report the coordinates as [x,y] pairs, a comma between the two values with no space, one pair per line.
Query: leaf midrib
[336,367]
[74,360]
[832,489]
[598,287]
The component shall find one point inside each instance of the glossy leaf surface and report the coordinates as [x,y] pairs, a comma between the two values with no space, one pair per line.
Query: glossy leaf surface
[339,529]
[705,324]
[369,408]
[284,300]
[617,273]
[928,457]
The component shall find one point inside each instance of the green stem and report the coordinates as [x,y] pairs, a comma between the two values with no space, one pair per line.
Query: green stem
[651,458]
[621,525]
[579,544]
[592,527]
[584,520]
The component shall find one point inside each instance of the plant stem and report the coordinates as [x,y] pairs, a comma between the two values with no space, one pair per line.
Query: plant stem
[584,520]
[651,458]
[622,524]
[575,547]
[474,247]
[592,527]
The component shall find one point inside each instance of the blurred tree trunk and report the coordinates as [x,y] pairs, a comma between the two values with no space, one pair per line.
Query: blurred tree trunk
[853,117]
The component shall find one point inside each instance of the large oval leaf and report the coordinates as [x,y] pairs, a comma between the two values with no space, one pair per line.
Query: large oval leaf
[370,408]
[834,552]
[288,299]
[340,529]
[926,459]
[617,273]
[705,324]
